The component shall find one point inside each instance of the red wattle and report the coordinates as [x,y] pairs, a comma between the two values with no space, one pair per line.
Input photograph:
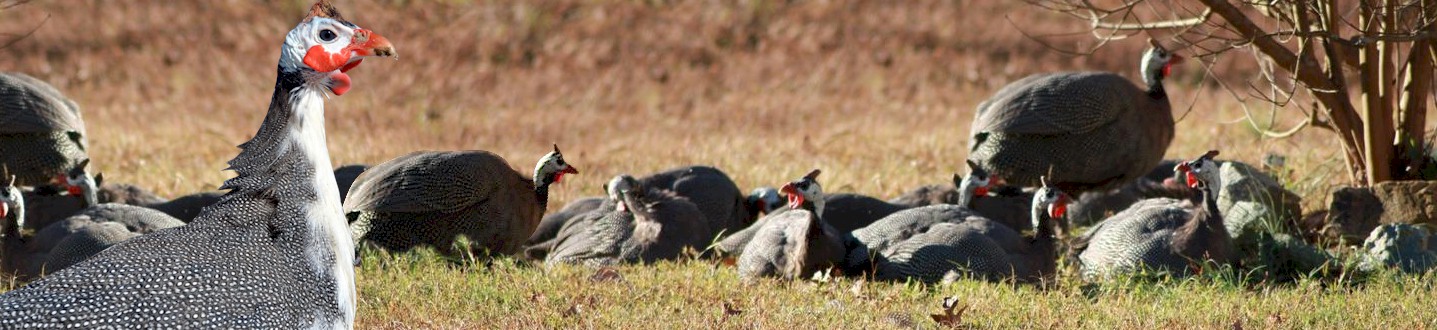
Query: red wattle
[4,209]
[1167,70]
[338,83]
[74,190]
[981,191]
[1058,211]
[1192,180]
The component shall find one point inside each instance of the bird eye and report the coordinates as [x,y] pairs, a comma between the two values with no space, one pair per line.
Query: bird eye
[327,35]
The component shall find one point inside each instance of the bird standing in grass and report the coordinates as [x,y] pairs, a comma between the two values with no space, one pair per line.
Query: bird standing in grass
[273,253]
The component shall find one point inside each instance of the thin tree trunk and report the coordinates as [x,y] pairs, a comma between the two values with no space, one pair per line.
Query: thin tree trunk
[1376,113]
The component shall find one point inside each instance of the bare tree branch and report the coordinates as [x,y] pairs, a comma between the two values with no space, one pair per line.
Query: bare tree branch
[15,38]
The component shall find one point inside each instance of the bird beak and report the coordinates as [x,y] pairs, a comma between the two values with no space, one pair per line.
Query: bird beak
[571,170]
[366,43]
[1177,59]
[795,199]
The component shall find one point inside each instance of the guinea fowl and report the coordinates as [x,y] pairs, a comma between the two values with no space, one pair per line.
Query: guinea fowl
[644,225]
[762,201]
[273,253]
[136,219]
[42,134]
[1096,128]
[978,247]
[1162,234]
[794,243]
[433,197]
[875,239]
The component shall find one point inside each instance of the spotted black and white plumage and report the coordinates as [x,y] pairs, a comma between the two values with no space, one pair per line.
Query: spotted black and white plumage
[959,244]
[42,134]
[1161,234]
[795,243]
[431,198]
[273,253]
[1096,128]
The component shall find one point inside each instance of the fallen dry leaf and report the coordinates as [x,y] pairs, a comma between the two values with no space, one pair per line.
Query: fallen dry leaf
[538,298]
[731,309]
[606,274]
[950,318]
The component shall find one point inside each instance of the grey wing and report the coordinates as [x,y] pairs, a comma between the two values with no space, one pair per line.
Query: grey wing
[429,182]
[1057,104]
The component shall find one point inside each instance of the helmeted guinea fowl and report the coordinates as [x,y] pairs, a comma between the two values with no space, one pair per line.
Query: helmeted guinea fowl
[273,253]
[875,239]
[1096,128]
[762,201]
[42,134]
[978,247]
[1161,234]
[431,198]
[645,225]
[795,243]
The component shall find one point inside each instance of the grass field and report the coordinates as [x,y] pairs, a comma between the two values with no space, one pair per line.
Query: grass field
[876,93]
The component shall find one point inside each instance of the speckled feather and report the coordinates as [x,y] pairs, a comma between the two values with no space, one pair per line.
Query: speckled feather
[790,245]
[1097,129]
[433,197]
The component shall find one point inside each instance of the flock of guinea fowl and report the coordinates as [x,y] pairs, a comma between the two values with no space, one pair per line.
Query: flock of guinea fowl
[277,249]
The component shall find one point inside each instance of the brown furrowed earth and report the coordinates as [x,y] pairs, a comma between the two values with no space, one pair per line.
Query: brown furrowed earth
[876,93]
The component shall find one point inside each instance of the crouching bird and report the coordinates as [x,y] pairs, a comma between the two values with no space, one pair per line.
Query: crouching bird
[273,253]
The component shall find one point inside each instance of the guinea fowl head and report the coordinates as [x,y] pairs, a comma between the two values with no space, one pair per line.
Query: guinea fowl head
[1158,63]
[325,46]
[805,189]
[618,186]
[552,168]
[78,182]
[1050,200]
[12,203]
[764,199]
[975,184]
[1201,172]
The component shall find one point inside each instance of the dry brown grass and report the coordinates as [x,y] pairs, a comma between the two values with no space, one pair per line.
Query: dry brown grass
[877,93]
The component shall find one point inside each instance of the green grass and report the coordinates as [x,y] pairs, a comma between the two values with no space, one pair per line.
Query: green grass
[422,290]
